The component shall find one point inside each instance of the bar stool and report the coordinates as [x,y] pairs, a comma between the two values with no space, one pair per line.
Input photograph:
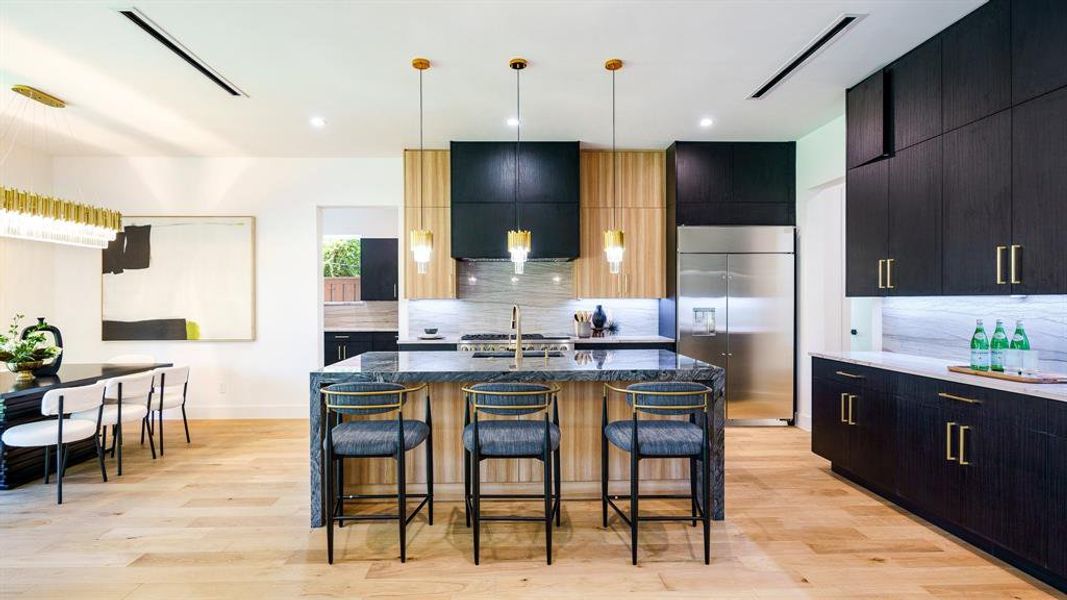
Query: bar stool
[510,438]
[126,400]
[170,386]
[62,431]
[373,439]
[659,439]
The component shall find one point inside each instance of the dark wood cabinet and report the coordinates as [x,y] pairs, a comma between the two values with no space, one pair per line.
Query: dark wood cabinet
[866,228]
[484,198]
[977,206]
[914,260]
[1039,45]
[868,135]
[915,84]
[1039,181]
[379,269]
[1056,476]
[986,465]
[732,183]
[976,65]
[342,345]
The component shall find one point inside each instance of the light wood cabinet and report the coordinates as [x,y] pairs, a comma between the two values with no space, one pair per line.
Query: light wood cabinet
[440,280]
[641,215]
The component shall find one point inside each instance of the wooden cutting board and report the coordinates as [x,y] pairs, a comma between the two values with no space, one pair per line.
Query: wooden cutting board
[1040,378]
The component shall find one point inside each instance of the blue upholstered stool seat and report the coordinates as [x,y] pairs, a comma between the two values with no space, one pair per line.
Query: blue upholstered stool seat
[376,438]
[511,438]
[657,438]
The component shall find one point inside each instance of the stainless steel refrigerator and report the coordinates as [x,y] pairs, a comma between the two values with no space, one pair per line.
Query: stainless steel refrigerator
[735,307]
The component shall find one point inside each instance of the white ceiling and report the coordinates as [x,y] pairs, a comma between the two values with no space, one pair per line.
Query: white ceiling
[350,63]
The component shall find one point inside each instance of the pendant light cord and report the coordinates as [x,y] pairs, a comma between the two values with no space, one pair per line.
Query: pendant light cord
[614,160]
[518,137]
[422,170]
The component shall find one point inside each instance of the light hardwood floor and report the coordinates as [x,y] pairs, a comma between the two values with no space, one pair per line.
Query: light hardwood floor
[227,517]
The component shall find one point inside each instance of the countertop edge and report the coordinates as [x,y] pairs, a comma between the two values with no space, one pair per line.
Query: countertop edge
[924,366]
[637,339]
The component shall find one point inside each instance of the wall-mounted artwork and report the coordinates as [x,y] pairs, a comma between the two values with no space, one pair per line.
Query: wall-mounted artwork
[180,278]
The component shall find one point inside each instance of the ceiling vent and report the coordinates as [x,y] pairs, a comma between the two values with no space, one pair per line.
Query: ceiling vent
[171,43]
[831,33]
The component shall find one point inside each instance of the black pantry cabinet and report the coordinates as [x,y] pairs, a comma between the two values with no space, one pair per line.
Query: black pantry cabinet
[973,126]
[379,269]
[987,466]
[732,183]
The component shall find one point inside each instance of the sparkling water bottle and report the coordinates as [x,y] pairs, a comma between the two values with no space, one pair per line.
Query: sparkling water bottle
[998,348]
[979,348]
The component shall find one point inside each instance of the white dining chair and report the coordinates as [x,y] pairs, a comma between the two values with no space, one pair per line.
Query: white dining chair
[126,400]
[170,388]
[62,431]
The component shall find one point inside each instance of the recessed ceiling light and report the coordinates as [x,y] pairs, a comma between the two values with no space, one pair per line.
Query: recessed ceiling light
[317,122]
[513,122]
[705,122]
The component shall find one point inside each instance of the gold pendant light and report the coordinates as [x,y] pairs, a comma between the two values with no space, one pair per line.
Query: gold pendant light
[519,240]
[31,216]
[614,239]
[421,239]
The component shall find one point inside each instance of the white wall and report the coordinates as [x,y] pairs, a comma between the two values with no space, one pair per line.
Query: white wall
[267,377]
[823,313]
[25,266]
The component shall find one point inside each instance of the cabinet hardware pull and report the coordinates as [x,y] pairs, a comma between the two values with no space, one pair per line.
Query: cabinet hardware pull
[843,396]
[340,337]
[851,397]
[963,429]
[849,375]
[344,351]
[1000,265]
[394,291]
[948,442]
[881,268]
[948,396]
[889,273]
[339,353]
[1015,263]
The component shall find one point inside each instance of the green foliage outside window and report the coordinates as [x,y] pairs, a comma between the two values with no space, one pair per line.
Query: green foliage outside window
[340,258]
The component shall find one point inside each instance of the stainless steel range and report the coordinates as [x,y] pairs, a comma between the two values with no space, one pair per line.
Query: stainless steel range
[502,342]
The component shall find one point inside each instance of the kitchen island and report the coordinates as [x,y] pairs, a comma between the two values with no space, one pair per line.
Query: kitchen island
[581,374]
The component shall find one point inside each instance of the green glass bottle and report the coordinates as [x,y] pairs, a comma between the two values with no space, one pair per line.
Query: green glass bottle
[998,347]
[1019,341]
[979,348]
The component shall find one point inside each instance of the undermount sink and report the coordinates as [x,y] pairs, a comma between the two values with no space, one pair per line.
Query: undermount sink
[525,354]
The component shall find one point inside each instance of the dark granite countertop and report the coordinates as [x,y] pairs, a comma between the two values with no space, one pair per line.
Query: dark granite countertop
[581,365]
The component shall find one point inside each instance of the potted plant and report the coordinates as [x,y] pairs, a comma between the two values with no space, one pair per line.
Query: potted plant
[24,354]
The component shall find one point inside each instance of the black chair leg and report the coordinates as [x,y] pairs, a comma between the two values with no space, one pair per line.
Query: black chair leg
[47,464]
[693,489]
[144,425]
[429,478]
[559,488]
[114,440]
[185,421]
[329,506]
[339,486]
[66,458]
[60,453]
[467,487]
[118,444]
[160,413]
[548,506]
[634,476]
[707,507]
[476,502]
[402,507]
[100,456]
[603,479]
[151,435]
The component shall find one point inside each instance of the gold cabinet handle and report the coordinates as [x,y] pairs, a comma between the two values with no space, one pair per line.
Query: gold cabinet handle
[948,442]
[889,272]
[881,273]
[1015,263]
[851,398]
[844,395]
[849,375]
[1000,265]
[948,396]
[963,429]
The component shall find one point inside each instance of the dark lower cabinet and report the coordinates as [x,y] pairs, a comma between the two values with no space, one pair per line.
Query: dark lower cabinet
[342,345]
[986,465]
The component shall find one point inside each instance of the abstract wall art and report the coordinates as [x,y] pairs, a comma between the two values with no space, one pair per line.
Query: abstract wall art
[180,278]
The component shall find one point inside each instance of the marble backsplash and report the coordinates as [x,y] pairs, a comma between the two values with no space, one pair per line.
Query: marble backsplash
[487,290]
[942,326]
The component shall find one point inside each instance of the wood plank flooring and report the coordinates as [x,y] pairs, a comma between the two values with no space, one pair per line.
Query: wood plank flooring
[227,518]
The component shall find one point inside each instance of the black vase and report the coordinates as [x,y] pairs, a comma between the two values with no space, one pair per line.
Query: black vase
[600,318]
[57,339]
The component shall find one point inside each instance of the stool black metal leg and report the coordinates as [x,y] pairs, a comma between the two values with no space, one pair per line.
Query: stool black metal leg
[401,497]
[476,506]
[634,462]
[707,500]
[559,488]
[328,502]
[339,487]
[547,459]
[604,464]
[429,460]
[467,458]
[693,489]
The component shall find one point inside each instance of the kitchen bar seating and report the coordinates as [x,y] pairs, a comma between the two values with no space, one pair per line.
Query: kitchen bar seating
[510,438]
[661,438]
[62,430]
[377,438]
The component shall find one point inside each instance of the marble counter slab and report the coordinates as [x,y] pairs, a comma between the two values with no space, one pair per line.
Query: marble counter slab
[456,368]
[937,368]
[607,340]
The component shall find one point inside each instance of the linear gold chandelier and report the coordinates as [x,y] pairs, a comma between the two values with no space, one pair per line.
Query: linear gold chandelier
[31,216]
